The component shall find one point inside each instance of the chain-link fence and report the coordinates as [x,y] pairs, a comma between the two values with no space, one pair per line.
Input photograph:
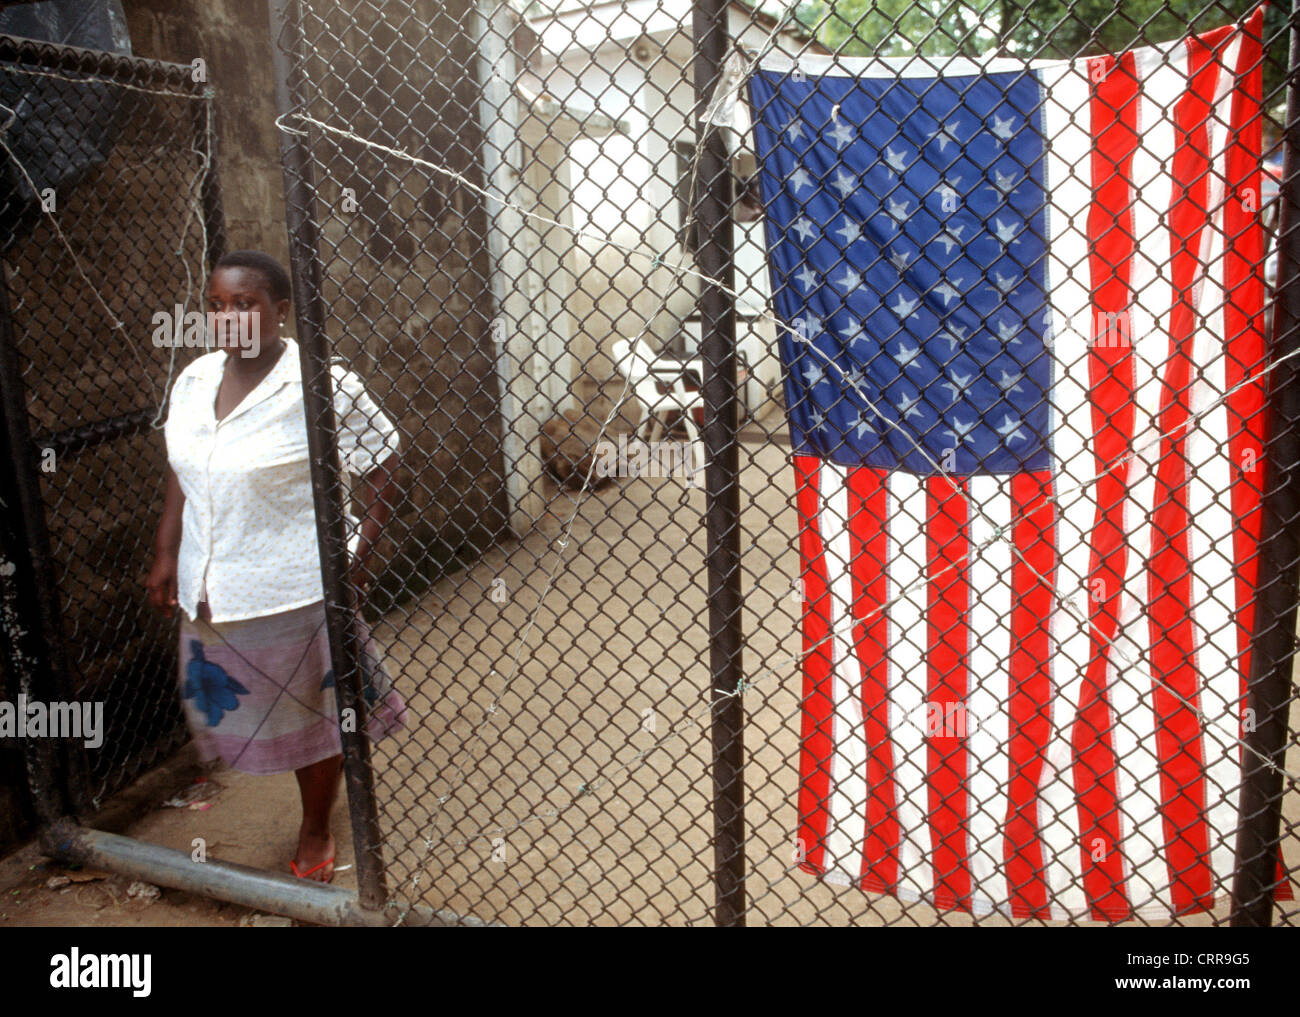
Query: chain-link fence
[834,489]
[847,451]
[108,208]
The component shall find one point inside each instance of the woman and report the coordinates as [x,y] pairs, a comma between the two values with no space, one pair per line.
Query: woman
[237,552]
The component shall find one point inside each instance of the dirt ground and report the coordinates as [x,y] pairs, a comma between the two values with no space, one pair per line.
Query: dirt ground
[239,818]
[552,773]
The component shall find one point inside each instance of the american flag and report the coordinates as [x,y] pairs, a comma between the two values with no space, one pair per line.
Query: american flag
[1026,303]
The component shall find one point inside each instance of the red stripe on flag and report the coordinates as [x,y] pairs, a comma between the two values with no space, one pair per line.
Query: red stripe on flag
[1033,577]
[948,639]
[868,511]
[1175,672]
[815,746]
[1115,104]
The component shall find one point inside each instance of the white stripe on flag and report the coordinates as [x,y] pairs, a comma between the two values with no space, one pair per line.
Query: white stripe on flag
[1140,791]
[1068,182]
[989,693]
[846,829]
[1210,479]
[908,677]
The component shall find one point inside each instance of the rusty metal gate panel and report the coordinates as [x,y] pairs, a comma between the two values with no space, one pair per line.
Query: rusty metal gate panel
[98,149]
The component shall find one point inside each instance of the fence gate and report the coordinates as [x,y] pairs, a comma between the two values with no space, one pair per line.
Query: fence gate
[932,565]
[98,150]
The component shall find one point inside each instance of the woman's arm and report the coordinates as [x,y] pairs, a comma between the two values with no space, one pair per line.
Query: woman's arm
[378,495]
[161,583]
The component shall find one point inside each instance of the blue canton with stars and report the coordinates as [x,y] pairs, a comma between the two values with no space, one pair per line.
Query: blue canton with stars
[906,229]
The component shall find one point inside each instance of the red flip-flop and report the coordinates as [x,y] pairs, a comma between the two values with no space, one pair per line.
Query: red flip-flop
[293,867]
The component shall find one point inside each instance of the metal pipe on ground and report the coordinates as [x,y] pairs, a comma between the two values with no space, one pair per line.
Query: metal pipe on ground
[301,899]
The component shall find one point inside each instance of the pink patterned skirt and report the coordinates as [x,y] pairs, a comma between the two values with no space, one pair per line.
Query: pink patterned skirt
[259,694]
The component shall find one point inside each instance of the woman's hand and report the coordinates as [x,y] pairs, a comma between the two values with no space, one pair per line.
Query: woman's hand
[161,585]
[358,574]
[378,493]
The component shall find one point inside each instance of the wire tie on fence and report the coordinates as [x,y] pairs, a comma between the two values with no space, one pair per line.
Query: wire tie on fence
[279,122]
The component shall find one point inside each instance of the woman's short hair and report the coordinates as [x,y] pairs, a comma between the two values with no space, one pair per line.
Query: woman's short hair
[277,279]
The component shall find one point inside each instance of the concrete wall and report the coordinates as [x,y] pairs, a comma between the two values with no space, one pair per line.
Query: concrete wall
[405,272]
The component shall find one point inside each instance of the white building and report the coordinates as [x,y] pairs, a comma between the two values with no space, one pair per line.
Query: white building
[632,61]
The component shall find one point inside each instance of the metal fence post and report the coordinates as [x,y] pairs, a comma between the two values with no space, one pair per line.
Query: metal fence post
[712,204]
[327,485]
[1273,643]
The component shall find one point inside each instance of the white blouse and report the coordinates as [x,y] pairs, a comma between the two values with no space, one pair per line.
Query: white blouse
[249,523]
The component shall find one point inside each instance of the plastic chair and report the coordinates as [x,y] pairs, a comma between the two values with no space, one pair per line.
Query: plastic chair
[659,384]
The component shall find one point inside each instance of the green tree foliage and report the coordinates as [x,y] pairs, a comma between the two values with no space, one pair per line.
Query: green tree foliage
[1030,28]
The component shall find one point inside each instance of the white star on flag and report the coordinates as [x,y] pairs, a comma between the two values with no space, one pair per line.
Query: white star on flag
[897,160]
[809,326]
[905,354]
[842,134]
[910,407]
[945,135]
[904,308]
[1009,382]
[951,237]
[1009,429]
[804,228]
[846,184]
[850,231]
[947,292]
[962,428]
[855,333]
[800,178]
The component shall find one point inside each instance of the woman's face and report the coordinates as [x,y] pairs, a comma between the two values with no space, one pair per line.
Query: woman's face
[245,318]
